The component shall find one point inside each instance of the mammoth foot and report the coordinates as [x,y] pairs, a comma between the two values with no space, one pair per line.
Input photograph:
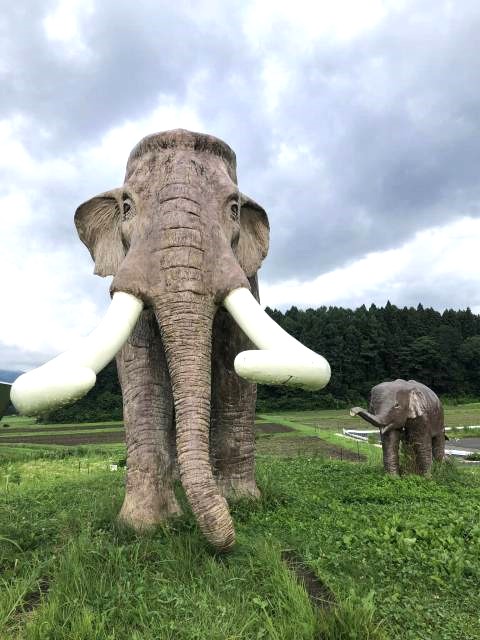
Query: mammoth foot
[146,504]
[392,474]
[236,488]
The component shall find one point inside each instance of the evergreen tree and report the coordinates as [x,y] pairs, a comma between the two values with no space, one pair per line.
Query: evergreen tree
[364,347]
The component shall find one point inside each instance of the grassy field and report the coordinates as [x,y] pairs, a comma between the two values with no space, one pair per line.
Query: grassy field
[336,419]
[334,549]
[333,420]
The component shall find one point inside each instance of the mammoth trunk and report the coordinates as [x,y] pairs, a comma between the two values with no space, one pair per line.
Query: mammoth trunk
[186,328]
[368,417]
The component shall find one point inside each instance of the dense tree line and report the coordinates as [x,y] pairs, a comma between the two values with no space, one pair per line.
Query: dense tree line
[367,346]
[364,347]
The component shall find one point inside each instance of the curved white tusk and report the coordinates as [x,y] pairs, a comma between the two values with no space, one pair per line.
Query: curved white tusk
[72,374]
[281,359]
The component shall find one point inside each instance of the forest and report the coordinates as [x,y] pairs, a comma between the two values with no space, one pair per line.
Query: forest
[364,347]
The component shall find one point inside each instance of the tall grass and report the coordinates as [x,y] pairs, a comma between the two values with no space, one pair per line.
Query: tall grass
[401,556]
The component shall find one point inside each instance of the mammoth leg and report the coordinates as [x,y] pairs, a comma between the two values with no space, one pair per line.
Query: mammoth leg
[423,456]
[409,453]
[419,450]
[438,447]
[148,416]
[233,413]
[390,443]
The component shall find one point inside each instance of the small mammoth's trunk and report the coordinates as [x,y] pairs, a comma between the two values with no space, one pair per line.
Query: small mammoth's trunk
[369,417]
[390,444]
[186,328]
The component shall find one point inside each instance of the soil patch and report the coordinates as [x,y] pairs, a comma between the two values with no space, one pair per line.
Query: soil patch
[37,429]
[33,598]
[319,593]
[305,446]
[74,439]
[271,427]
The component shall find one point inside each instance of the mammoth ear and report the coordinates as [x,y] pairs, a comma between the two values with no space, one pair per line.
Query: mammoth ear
[254,236]
[98,224]
[415,405]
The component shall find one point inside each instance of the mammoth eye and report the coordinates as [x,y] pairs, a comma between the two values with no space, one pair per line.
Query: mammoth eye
[396,405]
[234,210]
[128,209]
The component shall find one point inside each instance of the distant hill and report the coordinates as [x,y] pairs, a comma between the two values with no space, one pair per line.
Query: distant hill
[9,376]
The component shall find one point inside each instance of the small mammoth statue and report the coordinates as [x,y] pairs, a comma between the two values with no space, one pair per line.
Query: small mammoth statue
[410,411]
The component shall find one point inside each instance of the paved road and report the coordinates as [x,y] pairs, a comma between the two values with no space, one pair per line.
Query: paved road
[451,446]
[465,444]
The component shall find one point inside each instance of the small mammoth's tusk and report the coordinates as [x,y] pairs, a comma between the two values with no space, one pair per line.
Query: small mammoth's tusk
[387,429]
[281,360]
[72,374]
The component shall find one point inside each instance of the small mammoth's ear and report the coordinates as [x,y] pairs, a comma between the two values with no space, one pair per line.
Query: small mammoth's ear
[415,405]
[98,223]
[254,236]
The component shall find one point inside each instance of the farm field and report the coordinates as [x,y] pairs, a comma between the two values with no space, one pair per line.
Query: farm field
[12,428]
[336,419]
[334,549]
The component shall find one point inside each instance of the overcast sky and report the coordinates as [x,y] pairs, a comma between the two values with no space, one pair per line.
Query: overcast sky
[356,125]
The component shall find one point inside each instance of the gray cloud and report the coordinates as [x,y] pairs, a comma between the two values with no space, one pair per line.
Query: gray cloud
[134,53]
[385,126]
[15,359]
[395,118]
[410,292]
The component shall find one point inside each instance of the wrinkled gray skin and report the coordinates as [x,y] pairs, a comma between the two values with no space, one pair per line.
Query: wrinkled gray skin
[409,411]
[179,236]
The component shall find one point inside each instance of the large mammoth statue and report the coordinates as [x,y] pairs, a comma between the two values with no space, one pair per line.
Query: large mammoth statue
[411,411]
[184,246]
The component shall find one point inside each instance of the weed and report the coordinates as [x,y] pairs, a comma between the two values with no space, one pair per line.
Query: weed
[400,557]
[473,456]
[352,619]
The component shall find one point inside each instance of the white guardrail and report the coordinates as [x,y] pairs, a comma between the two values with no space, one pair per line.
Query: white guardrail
[363,434]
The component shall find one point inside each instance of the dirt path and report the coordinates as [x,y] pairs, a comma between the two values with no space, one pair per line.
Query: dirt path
[271,428]
[68,439]
[38,429]
[305,446]
[101,433]
[285,446]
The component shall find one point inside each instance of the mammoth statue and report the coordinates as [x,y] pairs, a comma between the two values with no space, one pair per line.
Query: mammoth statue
[183,246]
[413,412]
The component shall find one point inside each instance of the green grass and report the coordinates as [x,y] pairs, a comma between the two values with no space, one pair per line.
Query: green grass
[336,419]
[11,424]
[401,556]
[455,432]
[60,432]
[311,423]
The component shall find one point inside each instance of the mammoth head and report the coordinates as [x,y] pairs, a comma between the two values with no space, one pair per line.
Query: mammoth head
[105,225]
[392,404]
[179,207]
